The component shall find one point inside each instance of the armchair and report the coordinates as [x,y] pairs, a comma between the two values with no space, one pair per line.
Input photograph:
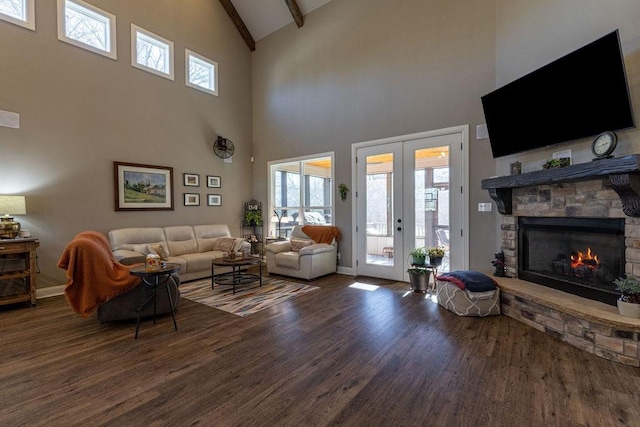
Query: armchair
[303,257]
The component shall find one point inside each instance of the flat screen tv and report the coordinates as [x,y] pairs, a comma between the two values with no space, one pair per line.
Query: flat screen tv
[581,94]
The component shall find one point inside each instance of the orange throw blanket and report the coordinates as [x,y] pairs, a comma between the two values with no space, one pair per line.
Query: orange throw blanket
[322,233]
[94,276]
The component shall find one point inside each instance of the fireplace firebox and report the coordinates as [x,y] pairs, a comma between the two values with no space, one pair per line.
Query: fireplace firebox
[581,256]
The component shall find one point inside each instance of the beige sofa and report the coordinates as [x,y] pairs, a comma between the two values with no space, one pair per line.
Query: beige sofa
[308,262]
[191,246]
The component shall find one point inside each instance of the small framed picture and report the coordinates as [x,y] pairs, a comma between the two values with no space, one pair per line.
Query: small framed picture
[214,200]
[516,168]
[191,180]
[214,181]
[191,199]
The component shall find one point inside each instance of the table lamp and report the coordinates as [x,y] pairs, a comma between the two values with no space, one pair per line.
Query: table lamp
[279,218]
[11,205]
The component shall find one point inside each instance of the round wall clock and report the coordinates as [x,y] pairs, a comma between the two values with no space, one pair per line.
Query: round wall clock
[604,144]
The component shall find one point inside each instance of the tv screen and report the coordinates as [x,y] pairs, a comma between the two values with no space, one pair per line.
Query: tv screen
[581,94]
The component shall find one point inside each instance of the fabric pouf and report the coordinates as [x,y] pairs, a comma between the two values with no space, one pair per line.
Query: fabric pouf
[466,303]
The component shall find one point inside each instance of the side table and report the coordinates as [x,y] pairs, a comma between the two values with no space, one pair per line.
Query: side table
[151,280]
[18,270]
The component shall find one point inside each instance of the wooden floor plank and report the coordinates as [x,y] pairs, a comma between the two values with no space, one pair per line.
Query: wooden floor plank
[335,356]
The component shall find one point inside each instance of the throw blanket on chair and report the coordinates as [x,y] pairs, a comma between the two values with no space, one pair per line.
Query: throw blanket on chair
[473,281]
[93,274]
[322,233]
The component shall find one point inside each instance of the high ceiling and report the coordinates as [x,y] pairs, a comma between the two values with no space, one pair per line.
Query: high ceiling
[256,19]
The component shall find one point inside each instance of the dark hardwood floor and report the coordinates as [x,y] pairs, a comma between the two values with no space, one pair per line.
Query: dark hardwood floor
[335,356]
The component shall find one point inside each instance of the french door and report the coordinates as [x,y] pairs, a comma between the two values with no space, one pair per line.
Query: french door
[410,193]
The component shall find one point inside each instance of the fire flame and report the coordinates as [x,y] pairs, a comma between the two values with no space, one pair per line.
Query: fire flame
[588,259]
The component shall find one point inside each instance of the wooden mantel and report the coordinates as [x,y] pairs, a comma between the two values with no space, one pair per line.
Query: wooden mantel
[623,174]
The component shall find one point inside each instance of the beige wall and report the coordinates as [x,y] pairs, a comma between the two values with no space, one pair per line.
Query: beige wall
[532,34]
[360,70]
[80,111]
[366,69]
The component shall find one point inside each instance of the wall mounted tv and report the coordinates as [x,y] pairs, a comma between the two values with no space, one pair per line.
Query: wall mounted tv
[581,94]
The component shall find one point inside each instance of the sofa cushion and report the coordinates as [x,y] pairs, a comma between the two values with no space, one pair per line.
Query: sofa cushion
[160,250]
[288,259]
[224,244]
[127,238]
[181,240]
[296,245]
[206,235]
[200,260]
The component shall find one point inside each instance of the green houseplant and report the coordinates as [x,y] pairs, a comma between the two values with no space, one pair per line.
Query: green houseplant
[343,189]
[556,163]
[418,256]
[252,218]
[435,253]
[629,301]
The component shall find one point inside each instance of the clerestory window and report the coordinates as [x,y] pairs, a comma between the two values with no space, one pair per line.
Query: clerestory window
[84,25]
[19,12]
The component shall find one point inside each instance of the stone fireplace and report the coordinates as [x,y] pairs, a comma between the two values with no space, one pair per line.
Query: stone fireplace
[574,229]
[582,256]
[583,215]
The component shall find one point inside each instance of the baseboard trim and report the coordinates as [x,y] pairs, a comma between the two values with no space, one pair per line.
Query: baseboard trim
[346,270]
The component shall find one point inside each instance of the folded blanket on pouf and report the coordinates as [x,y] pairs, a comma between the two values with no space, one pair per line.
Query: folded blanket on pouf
[468,293]
[472,281]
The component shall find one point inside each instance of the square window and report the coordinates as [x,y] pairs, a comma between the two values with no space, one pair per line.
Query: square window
[201,73]
[19,12]
[151,52]
[88,27]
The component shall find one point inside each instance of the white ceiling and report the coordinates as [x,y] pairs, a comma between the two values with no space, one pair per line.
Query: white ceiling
[263,17]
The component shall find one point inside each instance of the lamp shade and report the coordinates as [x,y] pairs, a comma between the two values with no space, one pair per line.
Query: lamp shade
[13,205]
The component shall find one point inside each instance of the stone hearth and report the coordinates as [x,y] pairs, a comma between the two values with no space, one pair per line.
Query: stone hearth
[592,326]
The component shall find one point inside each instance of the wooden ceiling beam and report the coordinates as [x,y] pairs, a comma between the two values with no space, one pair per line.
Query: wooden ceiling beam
[295,12]
[237,21]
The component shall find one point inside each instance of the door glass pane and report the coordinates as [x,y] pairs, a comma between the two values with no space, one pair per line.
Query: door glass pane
[379,210]
[432,199]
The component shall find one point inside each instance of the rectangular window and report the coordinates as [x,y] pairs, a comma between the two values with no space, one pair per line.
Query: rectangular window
[201,73]
[19,12]
[301,192]
[151,52]
[88,27]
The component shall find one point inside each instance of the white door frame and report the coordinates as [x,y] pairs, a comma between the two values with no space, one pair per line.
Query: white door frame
[463,131]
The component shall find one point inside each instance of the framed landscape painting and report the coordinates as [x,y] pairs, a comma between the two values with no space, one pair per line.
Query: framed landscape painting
[142,187]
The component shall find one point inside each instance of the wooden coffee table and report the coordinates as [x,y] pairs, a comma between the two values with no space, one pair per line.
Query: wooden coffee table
[235,277]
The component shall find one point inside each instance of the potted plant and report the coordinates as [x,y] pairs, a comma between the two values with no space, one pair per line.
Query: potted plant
[418,256]
[252,218]
[419,278]
[556,163]
[629,301]
[435,253]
